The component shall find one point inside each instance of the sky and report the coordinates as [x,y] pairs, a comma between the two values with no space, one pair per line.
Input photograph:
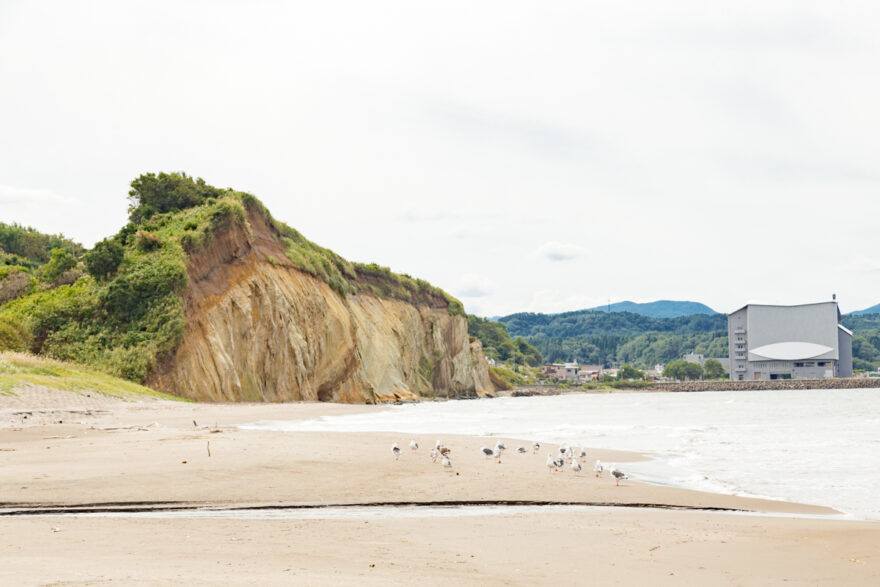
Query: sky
[524,156]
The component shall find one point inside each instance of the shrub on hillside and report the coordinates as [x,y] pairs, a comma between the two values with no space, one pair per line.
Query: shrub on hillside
[104,259]
[152,194]
[60,261]
[147,241]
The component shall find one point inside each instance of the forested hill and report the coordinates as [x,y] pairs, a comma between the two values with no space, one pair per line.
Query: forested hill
[595,323]
[623,337]
[658,309]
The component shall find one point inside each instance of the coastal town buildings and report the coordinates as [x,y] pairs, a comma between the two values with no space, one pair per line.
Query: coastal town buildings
[788,342]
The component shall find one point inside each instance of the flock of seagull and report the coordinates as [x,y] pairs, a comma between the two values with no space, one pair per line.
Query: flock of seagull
[554,464]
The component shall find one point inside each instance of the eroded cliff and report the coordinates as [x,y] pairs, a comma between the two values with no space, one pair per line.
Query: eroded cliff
[259,329]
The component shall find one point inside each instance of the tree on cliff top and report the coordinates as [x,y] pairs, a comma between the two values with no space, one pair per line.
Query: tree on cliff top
[167,192]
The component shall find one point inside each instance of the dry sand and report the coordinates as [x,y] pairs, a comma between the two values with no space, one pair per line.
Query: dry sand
[68,450]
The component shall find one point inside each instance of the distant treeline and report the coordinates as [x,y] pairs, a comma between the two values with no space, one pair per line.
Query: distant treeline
[26,247]
[594,323]
[592,337]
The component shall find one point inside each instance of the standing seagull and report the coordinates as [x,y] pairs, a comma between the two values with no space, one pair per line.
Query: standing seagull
[434,455]
[521,450]
[575,466]
[583,454]
[486,451]
[497,454]
[447,463]
[395,450]
[551,463]
[598,468]
[414,445]
[618,475]
[536,447]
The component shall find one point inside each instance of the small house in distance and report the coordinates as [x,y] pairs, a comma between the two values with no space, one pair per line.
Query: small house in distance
[788,342]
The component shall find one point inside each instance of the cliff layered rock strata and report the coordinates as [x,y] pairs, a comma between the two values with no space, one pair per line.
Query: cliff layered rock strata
[258,329]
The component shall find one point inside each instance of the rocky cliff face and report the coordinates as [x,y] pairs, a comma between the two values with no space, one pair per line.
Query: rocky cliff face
[260,330]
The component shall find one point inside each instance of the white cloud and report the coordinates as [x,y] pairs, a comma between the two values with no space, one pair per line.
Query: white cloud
[10,195]
[557,251]
[474,286]
[553,301]
[864,265]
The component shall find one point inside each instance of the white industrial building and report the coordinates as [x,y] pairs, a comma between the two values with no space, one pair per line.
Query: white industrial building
[788,342]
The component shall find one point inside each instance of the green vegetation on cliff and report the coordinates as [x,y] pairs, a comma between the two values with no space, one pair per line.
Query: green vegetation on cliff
[498,345]
[127,313]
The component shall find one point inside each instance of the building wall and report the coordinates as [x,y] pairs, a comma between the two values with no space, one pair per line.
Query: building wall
[755,326]
[815,323]
[845,368]
[738,366]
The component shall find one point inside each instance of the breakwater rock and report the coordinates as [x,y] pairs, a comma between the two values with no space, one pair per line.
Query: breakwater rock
[837,383]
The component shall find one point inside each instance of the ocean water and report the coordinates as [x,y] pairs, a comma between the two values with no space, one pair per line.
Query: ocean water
[811,446]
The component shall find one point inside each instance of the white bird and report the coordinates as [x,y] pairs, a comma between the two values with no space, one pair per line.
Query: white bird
[551,462]
[496,454]
[447,463]
[521,450]
[618,475]
[434,455]
[395,450]
[582,454]
[500,446]
[437,445]
[536,447]
[598,468]
[486,451]
[575,466]
[414,445]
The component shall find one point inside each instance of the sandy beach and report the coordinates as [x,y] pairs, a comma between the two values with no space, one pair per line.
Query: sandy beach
[64,451]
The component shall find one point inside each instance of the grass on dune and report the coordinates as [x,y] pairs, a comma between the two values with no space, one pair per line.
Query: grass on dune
[20,370]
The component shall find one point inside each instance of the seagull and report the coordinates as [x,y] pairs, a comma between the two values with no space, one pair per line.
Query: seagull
[551,462]
[536,447]
[414,445]
[437,445]
[598,468]
[500,446]
[486,451]
[395,450]
[434,455]
[447,463]
[575,466]
[521,450]
[497,454]
[618,475]
[582,454]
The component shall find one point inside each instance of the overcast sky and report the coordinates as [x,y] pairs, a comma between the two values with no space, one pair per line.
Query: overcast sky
[524,156]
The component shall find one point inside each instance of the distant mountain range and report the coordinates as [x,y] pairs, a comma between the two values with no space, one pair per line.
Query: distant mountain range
[871,310]
[658,309]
